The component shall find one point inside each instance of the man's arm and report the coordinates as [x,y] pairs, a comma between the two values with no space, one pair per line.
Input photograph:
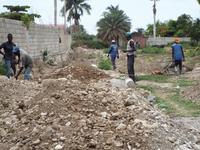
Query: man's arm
[1,46]
[117,52]
[183,53]
[20,70]
[172,53]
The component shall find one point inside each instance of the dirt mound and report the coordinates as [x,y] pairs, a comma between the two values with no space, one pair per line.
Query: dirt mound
[68,115]
[82,72]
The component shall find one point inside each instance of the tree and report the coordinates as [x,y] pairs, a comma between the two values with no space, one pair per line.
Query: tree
[18,13]
[198,1]
[75,9]
[195,31]
[183,25]
[114,24]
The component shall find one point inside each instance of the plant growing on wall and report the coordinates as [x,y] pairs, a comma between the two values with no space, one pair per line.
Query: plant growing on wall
[19,13]
[44,55]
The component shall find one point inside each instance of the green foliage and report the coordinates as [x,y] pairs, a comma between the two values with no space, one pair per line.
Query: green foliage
[19,13]
[2,69]
[75,9]
[185,82]
[45,55]
[164,105]
[189,106]
[180,27]
[193,52]
[26,20]
[147,88]
[105,50]
[17,8]
[113,25]
[195,31]
[81,38]
[155,78]
[153,50]
[104,63]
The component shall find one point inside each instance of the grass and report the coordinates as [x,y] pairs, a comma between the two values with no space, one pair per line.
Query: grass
[188,108]
[185,83]
[2,69]
[155,78]
[153,50]
[165,105]
[147,88]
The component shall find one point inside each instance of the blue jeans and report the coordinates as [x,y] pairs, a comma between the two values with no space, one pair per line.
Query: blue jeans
[27,73]
[9,71]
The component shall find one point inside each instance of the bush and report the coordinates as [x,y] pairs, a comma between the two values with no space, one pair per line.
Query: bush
[105,50]
[153,50]
[193,52]
[2,69]
[94,44]
[104,63]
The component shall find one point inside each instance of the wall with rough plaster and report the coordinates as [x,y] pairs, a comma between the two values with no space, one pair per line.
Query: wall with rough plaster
[37,38]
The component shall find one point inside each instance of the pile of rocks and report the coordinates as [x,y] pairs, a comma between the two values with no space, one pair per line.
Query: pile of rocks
[69,114]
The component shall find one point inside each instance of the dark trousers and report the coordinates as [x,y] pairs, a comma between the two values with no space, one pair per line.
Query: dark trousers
[130,66]
[180,64]
[13,66]
[113,59]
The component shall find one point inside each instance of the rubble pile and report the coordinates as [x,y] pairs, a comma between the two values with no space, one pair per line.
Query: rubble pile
[69,114]
[82,72]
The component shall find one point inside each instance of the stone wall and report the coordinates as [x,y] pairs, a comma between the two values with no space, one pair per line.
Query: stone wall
[164,40]
[37,38]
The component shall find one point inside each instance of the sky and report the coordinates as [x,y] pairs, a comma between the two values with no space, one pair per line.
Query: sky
[139,11]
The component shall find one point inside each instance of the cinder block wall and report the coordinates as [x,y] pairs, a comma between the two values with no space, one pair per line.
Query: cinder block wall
[37,38]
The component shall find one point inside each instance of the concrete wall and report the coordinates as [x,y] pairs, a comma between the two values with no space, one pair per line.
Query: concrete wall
[164,40]
[37,38]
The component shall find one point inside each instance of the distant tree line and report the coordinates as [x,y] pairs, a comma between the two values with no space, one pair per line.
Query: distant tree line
[184,26]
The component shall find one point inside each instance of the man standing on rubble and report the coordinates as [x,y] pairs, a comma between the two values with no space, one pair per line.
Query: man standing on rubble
[131,54]
[8,54]
[177,55]
[113,53]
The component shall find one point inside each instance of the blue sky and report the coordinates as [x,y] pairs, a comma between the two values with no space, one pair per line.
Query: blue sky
[139,11]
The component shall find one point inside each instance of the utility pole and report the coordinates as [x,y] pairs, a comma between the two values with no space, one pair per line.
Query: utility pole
[55,12]
[154,18]
[65,20]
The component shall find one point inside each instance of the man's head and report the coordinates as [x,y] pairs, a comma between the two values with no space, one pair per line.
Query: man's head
[10,37]
[176,40]
[128,35]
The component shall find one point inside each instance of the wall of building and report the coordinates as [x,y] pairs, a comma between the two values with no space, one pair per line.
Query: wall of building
[37,38]
[164,40]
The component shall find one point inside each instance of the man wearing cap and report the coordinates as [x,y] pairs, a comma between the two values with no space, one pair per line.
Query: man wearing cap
[113,53]
[8,54]
[177,55]
[131,54]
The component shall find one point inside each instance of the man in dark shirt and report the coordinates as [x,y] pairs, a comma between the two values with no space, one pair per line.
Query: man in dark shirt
[8,54]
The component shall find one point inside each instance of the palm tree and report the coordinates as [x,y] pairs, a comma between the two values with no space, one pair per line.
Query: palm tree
[75,9]
[113,25]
